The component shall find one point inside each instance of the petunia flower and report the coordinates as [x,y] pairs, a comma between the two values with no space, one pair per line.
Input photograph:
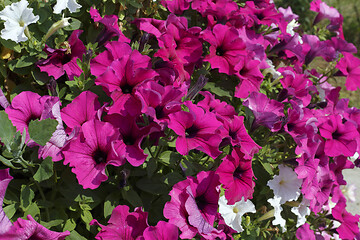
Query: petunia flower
[17,17]
[196,130]
[92,151]
[60,5]
[5,179]
[232,214]
[162,230]
[64,60]
[279,220]
[286,185]
[349,66]
[236,175]
[30,229]
[122,224]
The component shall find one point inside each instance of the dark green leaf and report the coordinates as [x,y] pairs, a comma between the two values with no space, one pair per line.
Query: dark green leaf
[32,210]
[74,235]
[151,186]
[151,167]
[132,197]
[26,196]
[25,61]
[45,170]
[41,131]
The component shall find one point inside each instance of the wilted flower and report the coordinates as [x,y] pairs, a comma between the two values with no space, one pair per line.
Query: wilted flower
[17,17]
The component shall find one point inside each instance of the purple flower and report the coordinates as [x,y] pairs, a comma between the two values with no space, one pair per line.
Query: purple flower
[196,130]
[193,205]
[176,6]
[64,60]
[349,224]
[123,225]
[349,66]
[267,112]
[111,27]
[162,230]
[236,175]
[5,179]
[92,151]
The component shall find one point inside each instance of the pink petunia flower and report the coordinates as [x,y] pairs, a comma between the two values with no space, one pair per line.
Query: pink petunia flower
[193,205]
[162,230]
[236,175]
[92,151]
[349,66]
[5,179]
[111,27]
[349,224]
[196,130]
[123,225]
[226,48]
[30,229]
[64,60]
[176,6]
[341,138]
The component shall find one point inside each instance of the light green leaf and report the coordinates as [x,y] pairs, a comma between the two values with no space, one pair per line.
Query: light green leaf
[41,131]
[45,170]
[7,130]
[32,210]
[74,235]
[10,210]
[70,225]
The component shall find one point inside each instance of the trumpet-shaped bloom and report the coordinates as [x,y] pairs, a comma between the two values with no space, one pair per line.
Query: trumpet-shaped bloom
[17,17]
[232,213]
[349,66]
[197,130]
[92,151]
[60,5]
[163,230]
[64,60]
[123,225]
[5,178]
[30,229]
[236,175]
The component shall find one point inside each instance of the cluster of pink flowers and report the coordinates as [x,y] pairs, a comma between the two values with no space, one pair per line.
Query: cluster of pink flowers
[150,96]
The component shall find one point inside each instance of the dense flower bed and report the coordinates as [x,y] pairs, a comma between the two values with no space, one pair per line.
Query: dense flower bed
[191,119]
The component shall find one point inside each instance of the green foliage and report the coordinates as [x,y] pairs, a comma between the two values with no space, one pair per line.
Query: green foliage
[45,170]
[41,130]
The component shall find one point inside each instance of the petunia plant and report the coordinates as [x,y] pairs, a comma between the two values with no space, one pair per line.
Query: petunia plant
[184,119]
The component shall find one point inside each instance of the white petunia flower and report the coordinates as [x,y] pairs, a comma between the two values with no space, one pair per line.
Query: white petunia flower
[286,185]
[276,74]
[290,27]
[232,213]
[349,191]
[17,17]
[301,212]
[60,5]
[279,220]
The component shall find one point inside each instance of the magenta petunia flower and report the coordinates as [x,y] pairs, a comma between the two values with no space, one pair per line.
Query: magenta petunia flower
[28,106]
[341,138]
[220,108]
[159,102]
[304,232]
[267,15]
[82,109]
[238,136]
[162,230]
[92,151]
[5,179]
[111,27]
[326,12]
[64,60]
[349,66]
[123,225]
[131,136]
[176,6]
[196,130]
[194,203]
[267,112]
[226,48]
[236,175]
[30,229]
[349,224]
[250,76]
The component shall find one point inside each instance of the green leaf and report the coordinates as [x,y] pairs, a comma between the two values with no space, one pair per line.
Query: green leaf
[86,216]
[10,210]
[111,201]
[153,186]
[11,45]
[7,130]
[26,196]
[52,223]
[41,131]
[74,235]
[74,25]
[132,197]
[70,225]
[7,162]
[151,167]
[32,210]
[45,170]
[25,61]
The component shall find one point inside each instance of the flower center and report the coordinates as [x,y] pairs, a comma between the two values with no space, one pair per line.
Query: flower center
[235,210]
[220,51]
[126,88]
[238,173]
[336,135]
[99,156]
[21,23]
[191,131]
[201,202]
[128,140]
